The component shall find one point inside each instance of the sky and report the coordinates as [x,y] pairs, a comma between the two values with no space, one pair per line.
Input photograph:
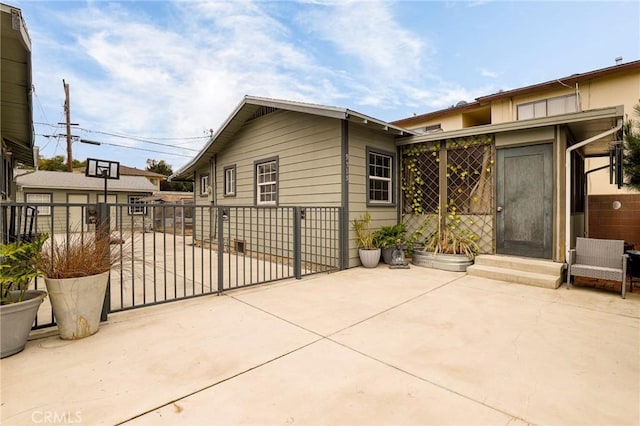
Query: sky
[152,79]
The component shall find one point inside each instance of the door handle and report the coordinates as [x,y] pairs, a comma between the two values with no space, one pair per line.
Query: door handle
[499,208]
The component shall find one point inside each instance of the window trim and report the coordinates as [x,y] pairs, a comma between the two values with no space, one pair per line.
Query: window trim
[42,210]
[256,192]
[225,192]
[204,188]
[133,211]
[545,101]
[392,180]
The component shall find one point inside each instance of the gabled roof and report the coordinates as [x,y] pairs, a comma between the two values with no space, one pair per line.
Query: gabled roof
[250,106]
[127,171]
[132,171]
[44,179]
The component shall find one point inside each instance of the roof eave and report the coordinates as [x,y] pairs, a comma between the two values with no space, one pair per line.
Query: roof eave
[321,110]
[611,112]
[572,79]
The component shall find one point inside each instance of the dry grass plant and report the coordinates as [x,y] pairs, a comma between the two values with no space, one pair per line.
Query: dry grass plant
[80,254]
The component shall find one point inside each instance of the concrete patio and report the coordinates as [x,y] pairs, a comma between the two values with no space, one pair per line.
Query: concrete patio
[381,346]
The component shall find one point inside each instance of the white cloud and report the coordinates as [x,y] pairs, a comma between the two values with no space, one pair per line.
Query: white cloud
[486,73]
[182,74]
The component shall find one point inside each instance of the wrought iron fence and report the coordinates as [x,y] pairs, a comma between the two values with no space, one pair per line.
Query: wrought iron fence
[217,249]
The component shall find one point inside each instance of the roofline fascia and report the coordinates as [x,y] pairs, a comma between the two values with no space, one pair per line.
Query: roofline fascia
[611,112]
[484,100]
[321,110]
[574,78]
[24,31]
[186,168]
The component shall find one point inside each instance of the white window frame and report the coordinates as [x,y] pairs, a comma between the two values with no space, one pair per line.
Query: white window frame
[230,181]
[373,178]
[204,185]
[39,197]
[262,188]
[136,210]
[540,108]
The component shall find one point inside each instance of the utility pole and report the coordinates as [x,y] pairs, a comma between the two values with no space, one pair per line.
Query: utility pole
[67,110]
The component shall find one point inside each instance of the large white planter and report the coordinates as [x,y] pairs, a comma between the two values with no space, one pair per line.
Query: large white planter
[446,262]
[77,304]
[16,320]
[369,258]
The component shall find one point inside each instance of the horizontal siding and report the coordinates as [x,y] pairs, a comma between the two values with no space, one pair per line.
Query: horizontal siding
[60,219]
[359,139]
[308,151]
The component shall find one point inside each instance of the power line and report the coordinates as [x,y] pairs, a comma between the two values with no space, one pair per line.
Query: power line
[118,145]
[141,149]
[137,139]
[144,139]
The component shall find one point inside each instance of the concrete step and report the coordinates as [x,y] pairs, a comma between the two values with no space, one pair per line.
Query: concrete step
[526,264]
[515,276]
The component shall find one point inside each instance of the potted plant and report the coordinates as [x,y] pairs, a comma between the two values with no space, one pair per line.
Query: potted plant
[76,272]
[18,304]
[368,252]
[451,248]
[388,238]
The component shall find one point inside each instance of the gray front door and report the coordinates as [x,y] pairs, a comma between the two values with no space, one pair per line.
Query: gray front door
[525,201]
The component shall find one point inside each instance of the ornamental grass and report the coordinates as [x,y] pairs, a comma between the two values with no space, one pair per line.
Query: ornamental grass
[80,254]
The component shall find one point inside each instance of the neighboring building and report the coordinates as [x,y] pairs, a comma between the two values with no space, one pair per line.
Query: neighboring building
[153,177]
[279,153]
[537,205]
[16,131]
[172,211]
[80,192]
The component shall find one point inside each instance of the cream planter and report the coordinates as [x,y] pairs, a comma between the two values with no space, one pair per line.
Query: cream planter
[446,262]
[16,320]
[77,304]
[369,258]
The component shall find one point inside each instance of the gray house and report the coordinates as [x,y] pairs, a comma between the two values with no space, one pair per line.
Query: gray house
[280,153]
[79,191]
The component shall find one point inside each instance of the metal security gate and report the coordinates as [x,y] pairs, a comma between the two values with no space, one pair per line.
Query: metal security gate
[211,250]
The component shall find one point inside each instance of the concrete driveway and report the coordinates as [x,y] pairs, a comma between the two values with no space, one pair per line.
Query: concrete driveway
[361,346]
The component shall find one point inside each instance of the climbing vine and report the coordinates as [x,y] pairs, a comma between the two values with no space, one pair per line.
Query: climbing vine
[467,174]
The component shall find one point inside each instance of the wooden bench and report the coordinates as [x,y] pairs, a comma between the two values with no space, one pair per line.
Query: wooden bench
[598,258]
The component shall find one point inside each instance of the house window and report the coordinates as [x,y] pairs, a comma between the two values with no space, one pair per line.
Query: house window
[547,107]
[267,182]
[204,185]
[40,198]
[380,177]
[136,206]
[230,181]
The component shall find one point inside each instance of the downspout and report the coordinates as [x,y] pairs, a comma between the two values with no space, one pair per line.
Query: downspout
[586,194]
[567,183]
